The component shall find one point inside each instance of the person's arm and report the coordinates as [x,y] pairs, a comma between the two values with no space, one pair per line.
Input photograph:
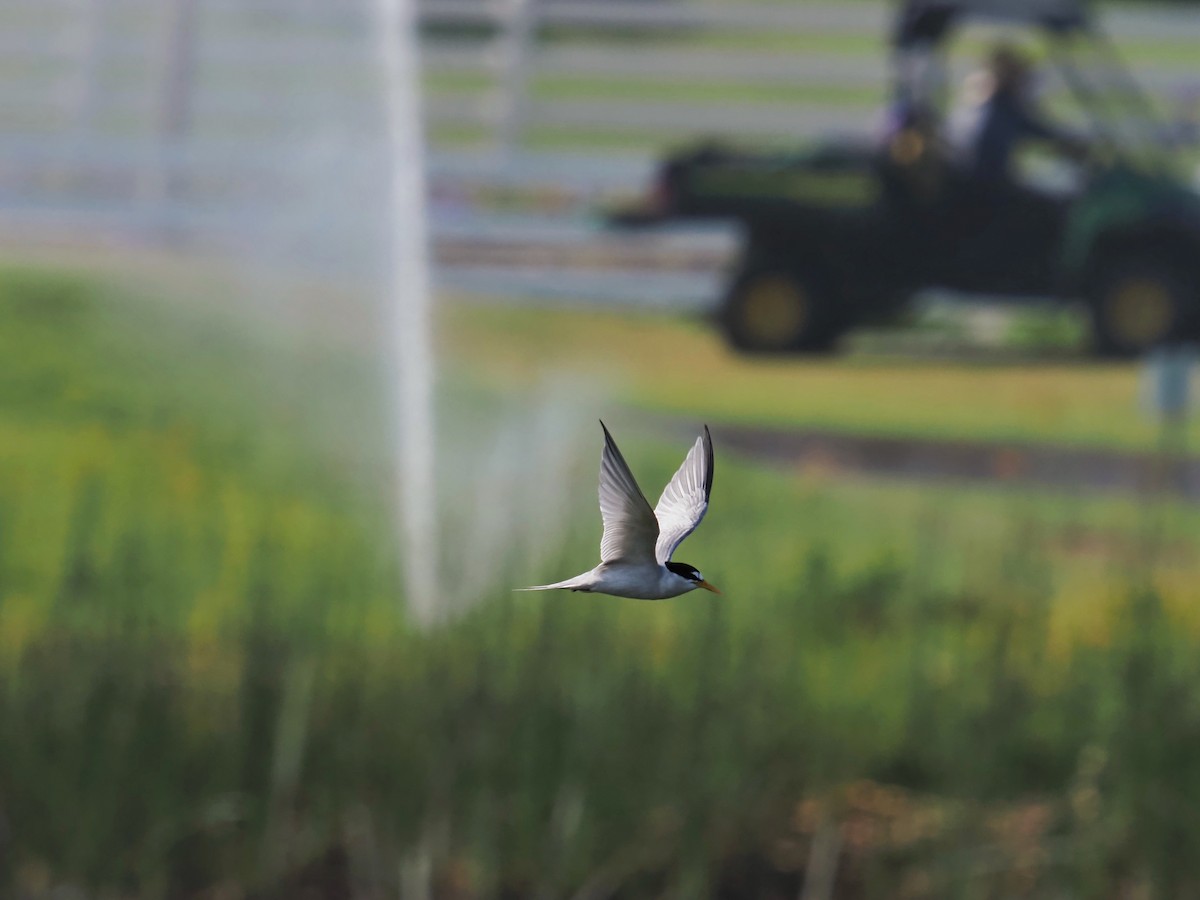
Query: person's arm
[1031,125]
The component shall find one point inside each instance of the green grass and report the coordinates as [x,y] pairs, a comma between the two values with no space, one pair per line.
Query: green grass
[457,82]
[587,87]
[552,138]
[783,41]
[683,367]
[210,686]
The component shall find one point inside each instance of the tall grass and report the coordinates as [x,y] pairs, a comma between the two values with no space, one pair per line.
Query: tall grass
[209,687]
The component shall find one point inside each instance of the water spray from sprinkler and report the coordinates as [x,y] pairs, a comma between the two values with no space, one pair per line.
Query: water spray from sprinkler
[407,285]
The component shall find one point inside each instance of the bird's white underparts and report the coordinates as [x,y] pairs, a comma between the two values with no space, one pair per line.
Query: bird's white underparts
[636,549]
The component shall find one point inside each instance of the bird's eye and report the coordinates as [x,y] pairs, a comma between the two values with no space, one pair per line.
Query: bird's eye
[696,576]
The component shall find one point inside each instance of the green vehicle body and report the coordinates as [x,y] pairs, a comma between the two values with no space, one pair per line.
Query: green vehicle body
[1128,204]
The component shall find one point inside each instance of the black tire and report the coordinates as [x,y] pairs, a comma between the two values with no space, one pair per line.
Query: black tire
[1139,302]
[776,309]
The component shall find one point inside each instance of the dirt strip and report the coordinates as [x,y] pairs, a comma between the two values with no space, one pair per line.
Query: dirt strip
[925,459]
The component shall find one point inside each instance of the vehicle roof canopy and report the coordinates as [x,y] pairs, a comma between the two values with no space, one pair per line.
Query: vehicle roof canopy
[929,22]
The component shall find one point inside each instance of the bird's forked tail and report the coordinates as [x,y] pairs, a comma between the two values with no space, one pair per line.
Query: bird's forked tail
[571,584]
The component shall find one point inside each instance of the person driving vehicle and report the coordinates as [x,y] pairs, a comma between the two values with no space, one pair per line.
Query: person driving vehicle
[993,205]
[1007,118]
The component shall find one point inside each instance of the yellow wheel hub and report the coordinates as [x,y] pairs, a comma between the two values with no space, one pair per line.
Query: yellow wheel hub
[775,310]
[1139,311]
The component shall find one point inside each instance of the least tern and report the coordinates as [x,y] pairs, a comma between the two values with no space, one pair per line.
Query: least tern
[635,551]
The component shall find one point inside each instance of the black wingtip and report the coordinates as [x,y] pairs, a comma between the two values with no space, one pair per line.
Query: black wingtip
[711,460]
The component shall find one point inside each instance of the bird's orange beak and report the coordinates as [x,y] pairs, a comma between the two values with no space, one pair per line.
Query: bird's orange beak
[707,586]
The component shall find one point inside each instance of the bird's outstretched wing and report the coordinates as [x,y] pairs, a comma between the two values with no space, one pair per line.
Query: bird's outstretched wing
[685,498]
[630,527]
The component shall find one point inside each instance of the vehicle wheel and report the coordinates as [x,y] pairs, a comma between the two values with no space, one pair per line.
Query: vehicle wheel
[1139,302]
[772,309]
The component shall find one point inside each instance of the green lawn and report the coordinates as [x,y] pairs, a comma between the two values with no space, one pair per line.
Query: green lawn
[211,687]
[661,363]
[619,86]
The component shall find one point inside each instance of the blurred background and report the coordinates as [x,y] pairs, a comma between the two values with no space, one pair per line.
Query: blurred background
[309,310]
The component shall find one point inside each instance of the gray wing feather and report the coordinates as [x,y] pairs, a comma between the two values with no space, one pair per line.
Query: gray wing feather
[685,498]
[630,527]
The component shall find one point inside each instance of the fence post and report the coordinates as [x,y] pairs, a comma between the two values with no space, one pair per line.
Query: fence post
[517,38]
[90,48]
[160,186]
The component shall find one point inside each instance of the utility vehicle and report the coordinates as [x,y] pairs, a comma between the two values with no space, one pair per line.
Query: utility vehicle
[843,233]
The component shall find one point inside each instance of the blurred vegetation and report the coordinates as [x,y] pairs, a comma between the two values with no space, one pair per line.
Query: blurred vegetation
[662,364]
[210,688]
[1035,330]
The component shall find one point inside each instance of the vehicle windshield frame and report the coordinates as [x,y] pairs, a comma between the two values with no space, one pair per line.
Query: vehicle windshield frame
[1122,117]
